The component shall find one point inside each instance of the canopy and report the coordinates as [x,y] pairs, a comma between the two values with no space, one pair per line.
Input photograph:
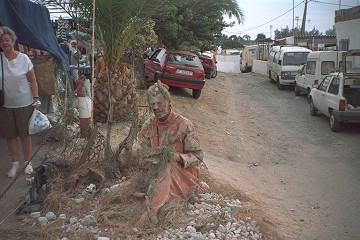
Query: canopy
[32,26]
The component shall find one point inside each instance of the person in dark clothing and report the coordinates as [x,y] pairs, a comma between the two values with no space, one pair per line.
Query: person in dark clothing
[64,46]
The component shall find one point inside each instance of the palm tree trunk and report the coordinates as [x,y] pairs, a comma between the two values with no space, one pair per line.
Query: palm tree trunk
[111,165]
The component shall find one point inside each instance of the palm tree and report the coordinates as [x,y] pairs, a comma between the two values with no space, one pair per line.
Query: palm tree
[246,37]
[228,7]
[117,22]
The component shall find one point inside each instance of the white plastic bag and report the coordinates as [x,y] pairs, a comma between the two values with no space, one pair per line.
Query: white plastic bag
[38,122]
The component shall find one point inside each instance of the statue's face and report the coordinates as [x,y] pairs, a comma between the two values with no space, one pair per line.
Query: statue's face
[160,106]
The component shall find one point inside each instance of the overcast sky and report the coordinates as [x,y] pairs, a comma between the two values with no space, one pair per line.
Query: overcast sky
[260,14]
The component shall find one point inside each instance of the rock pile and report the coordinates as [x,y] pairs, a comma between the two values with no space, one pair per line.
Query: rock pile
[210,217]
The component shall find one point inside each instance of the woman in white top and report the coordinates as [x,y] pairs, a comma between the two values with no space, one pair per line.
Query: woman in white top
[21,96]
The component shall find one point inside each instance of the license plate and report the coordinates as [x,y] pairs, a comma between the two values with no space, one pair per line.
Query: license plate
[180,71]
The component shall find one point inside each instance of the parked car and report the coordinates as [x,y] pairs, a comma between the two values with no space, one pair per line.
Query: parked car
[318,65]
[176,68]
[338,95]
[209,65]
[284,62]
[246,58]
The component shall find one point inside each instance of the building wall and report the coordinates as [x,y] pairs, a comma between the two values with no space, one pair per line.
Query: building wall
[348,31]
[260,67]
[231,64]
[228,63]
[347,27]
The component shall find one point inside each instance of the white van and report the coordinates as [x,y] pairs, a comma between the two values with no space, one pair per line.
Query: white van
[246,58]
[284,64]
[318,65]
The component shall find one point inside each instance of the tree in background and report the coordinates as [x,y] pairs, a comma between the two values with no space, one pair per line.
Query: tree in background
[260,36]
[186,23]
[232,42]
[247,37]
[286,32]
[330,31]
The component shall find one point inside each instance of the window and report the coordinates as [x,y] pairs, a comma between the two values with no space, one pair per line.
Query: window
[158,56]
[184,60]
[295,58]
[154,56]
[324,84]
[310,67]
[276,57]
[334,86]
[271,55]
[344,45]
[327,67]
[302,72]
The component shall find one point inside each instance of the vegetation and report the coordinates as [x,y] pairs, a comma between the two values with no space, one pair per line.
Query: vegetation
[232,42]
[194,23]
[286,32]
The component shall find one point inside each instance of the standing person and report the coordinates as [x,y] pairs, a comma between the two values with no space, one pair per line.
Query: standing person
[21,96]
[75,57]
[167,139]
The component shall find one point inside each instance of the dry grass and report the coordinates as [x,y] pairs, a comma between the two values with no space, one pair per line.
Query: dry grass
[121,210]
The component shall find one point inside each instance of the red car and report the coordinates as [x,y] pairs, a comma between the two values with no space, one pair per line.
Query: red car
[176,68]
[209,65]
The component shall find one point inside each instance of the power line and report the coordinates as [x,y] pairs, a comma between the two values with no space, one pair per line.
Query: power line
[336,4]
[268,21]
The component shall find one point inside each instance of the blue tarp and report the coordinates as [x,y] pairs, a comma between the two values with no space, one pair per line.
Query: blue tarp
[32,26]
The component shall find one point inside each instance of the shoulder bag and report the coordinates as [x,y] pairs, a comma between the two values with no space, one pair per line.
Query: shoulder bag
[2,97]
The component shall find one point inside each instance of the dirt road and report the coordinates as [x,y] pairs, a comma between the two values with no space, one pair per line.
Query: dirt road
[265,142]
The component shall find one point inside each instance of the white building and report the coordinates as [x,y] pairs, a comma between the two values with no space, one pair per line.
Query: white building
[347,27]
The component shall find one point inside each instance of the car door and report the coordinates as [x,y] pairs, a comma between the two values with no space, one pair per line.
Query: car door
[310,74]
[300,77]
[332,95]
[319,95]
[153,64]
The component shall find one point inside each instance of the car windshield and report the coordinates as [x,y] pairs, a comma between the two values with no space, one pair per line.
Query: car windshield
[295,58]
[184,60]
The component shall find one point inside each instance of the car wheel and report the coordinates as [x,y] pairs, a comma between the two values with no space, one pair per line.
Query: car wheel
[214,74]
[313,110]
[196,93]
[335,125]
[308,95]
[279,85]
[297,91]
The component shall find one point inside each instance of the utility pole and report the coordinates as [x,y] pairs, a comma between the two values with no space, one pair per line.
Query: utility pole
[304,18]
[293,15]
[297,21]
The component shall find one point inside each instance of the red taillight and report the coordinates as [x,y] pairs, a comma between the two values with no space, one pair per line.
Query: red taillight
[316,82]
[342,105]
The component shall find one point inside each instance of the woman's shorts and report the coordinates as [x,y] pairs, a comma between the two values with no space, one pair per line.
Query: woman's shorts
[14,122]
